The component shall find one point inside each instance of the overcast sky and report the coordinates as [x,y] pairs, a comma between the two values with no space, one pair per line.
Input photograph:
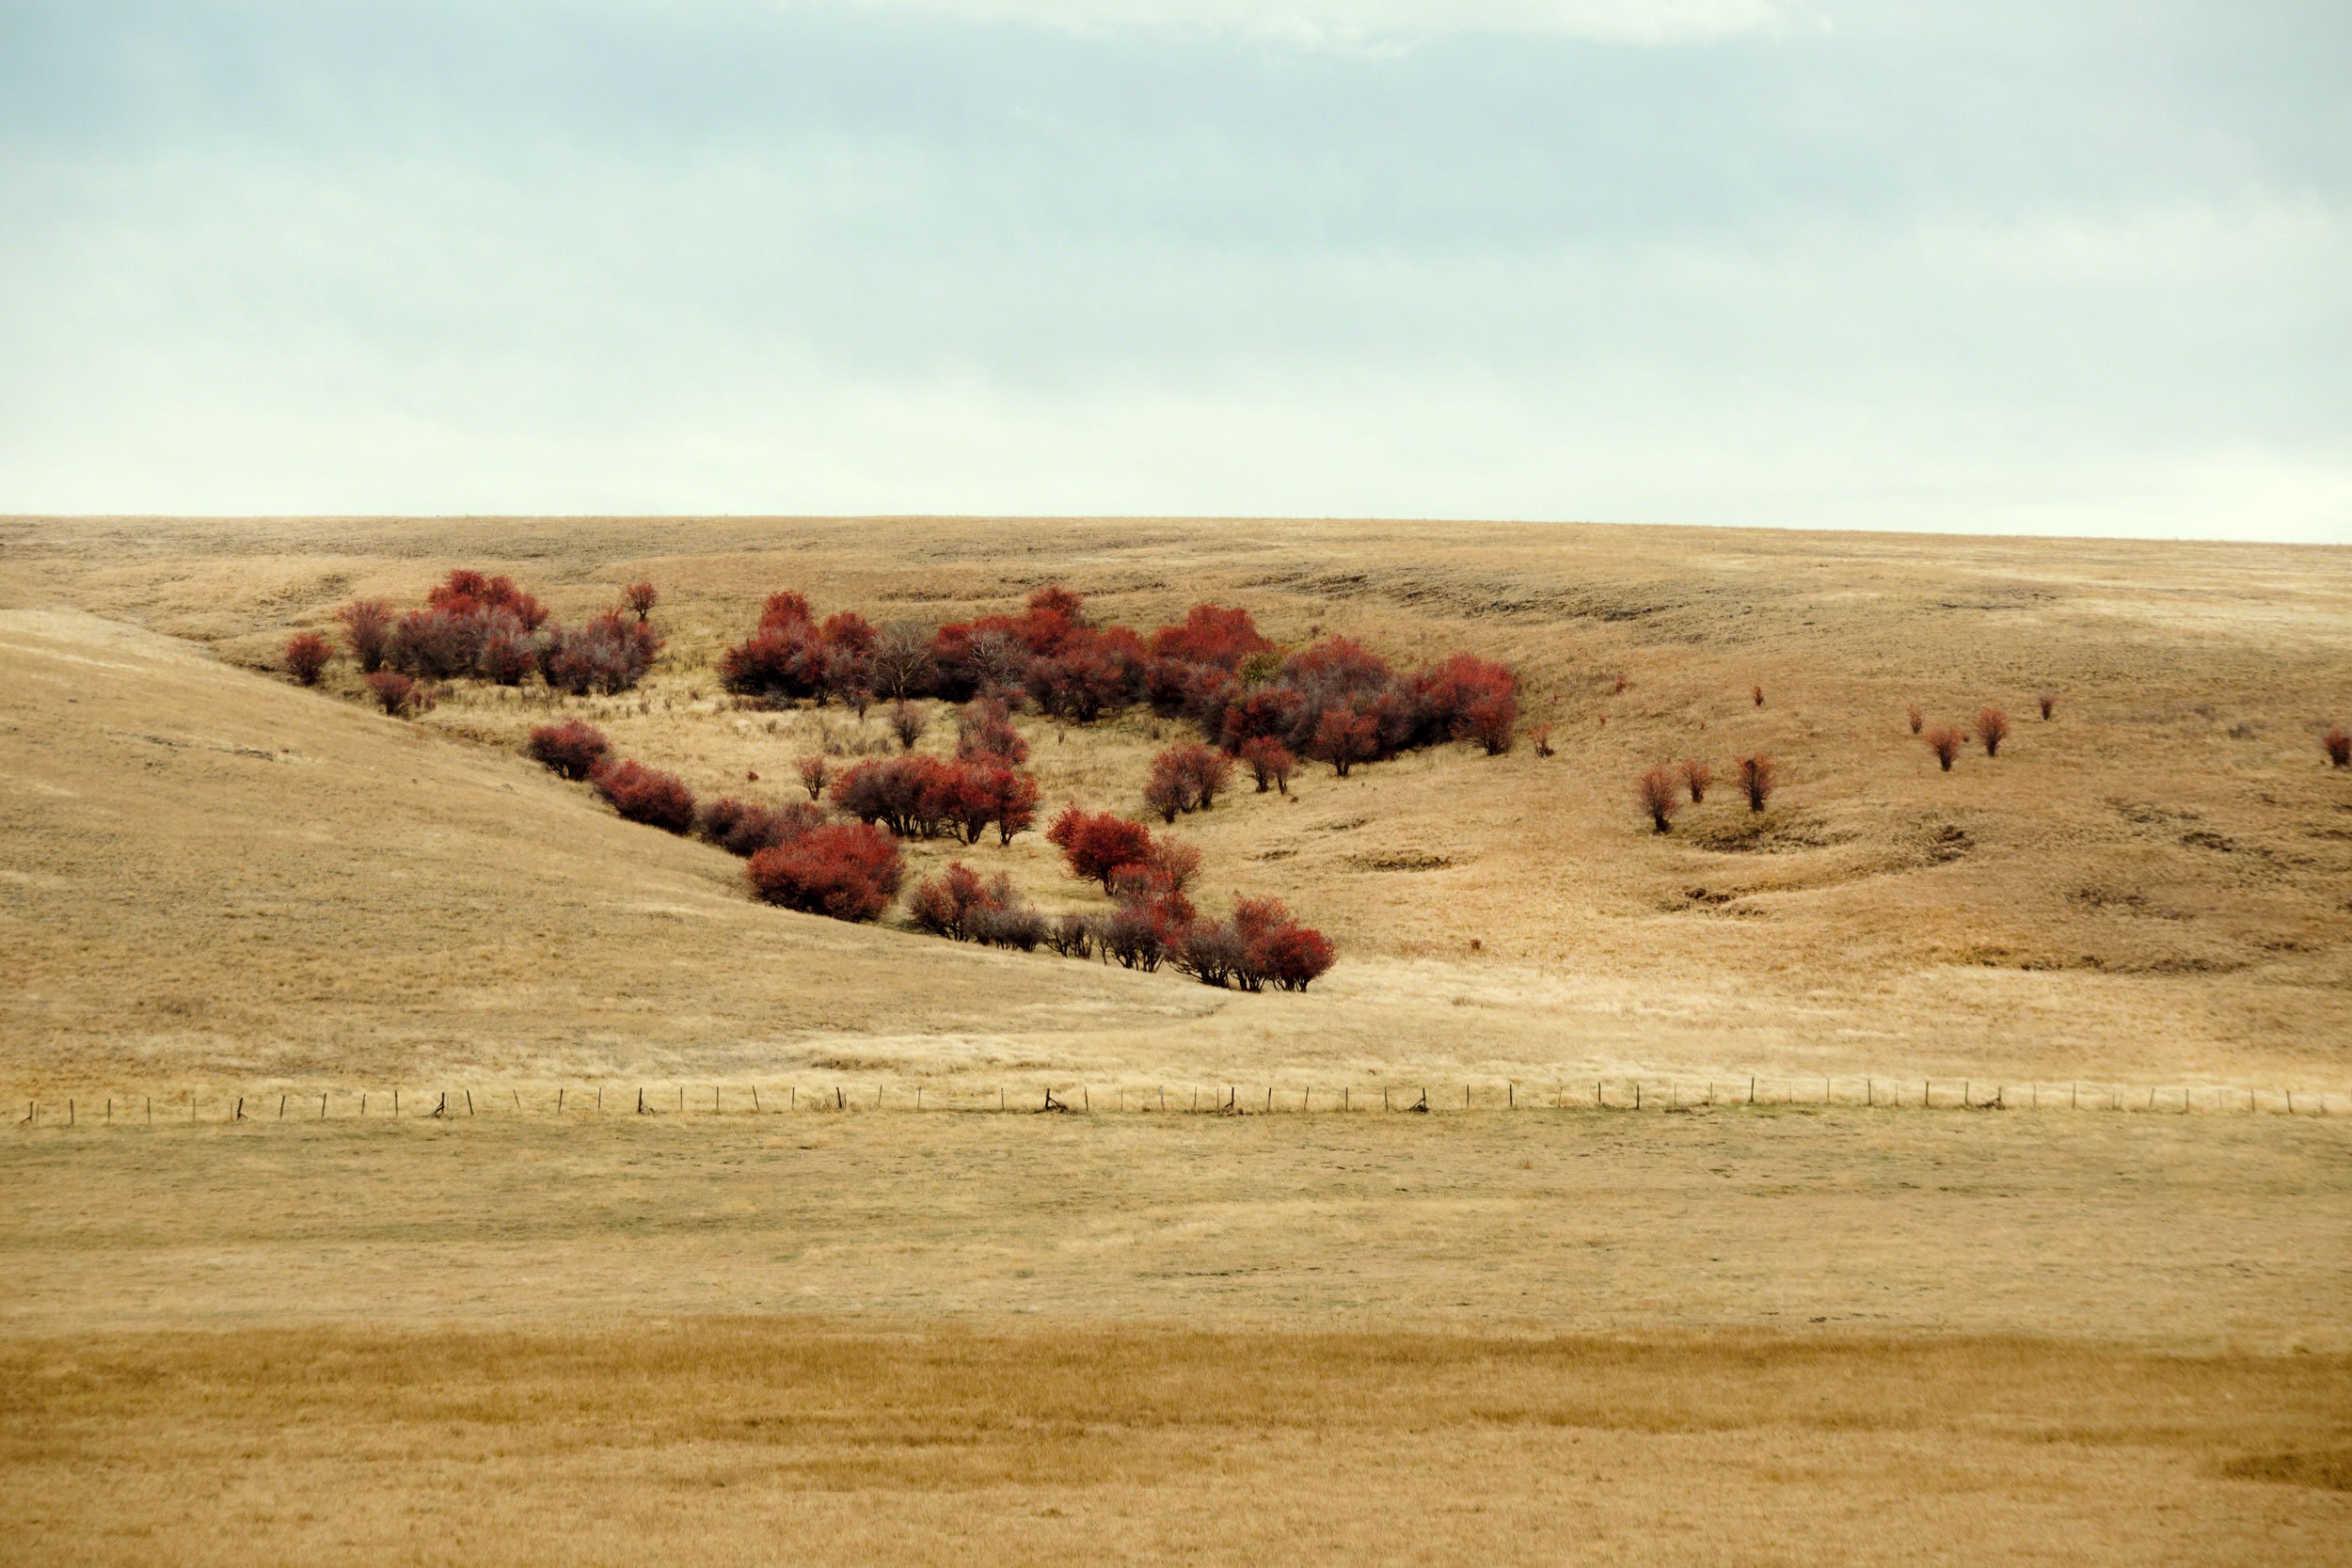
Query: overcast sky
[2050,265]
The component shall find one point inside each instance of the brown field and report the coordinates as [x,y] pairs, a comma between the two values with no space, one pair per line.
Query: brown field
[1710,1334]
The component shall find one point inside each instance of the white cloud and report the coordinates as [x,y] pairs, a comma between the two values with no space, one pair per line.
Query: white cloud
[1375,24]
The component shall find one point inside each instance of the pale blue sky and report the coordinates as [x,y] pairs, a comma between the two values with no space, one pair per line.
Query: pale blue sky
[1988,265]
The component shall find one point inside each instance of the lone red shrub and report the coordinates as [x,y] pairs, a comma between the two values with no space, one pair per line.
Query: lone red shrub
[306,656]
[368,627]
[572,749]
[647,795]
[1660,796]
[1758,777]
[1541,734]
[1915,717]
[2049,701]
[815,770]
[1946,742]
[640,597]
[1098,846]
[1991,728]
[908,722]
[1269,763]
[1756,693]
[1696,776]
[400,696]
[984,730]
[2339,745]
[848,870]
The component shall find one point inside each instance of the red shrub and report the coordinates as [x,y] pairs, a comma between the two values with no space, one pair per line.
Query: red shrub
[814,772]
[1187,777]
[785,608]
[1278,948]
[1468,698]
[1012,801]
[1659,795]
[466,595]
[1542,734]
[984,730]
[1946,742]
[1696,776]
[2049,701]
[908,722]
[1758,777]
[1343,739]
[785,658]
[849,631]
[848,870]
[1089,673]
[436,642]
[1756,693]
[507,655]
[1211,635]
[639,598]
[747,827]
[1269,763]
[307,655]
[400,696]
[646,795]
[957,903]
[2338,746]
[572,749]
[368,627]
[1991,728]
[1099,846]
[1915,717]
[610,655]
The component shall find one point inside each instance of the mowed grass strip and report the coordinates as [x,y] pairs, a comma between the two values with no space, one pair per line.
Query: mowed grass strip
[763,1440]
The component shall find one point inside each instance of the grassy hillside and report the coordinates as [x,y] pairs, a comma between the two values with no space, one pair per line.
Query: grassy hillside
[2152,885]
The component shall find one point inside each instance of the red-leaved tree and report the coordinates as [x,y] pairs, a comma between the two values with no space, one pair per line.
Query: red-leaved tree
[368,627]
[848,870]
[1696,776]
[1946,742]
[815,770]
[640,597]
[1269,762]
[572,749]
[1758,777]
[306,656]
[1098,846]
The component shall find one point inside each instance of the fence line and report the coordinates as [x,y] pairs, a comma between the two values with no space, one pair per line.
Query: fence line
[670,1098]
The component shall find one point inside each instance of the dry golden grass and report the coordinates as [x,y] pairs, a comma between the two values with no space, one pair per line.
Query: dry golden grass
[1715,1338]
[726,1442]
[2150,888]
[1723,1335]
[2181,1232]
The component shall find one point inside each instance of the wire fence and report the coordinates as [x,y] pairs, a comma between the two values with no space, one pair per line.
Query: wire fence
[674,1099]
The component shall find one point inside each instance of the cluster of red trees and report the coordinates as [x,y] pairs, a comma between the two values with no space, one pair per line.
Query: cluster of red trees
[926,797]
[477,626]
[1660,790]
[1334,700]
[1153,920]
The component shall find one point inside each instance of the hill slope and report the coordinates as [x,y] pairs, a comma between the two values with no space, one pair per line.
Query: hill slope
[2152,885]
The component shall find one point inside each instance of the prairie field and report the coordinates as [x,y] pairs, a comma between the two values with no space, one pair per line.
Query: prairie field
[867,1316]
